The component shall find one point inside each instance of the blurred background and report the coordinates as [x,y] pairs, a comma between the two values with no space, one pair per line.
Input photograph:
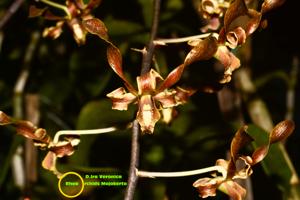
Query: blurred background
[68,83]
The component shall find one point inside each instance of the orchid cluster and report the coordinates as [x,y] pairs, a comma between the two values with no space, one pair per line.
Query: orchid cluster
[77,15]
[56,149]
[240,166]
[235,22]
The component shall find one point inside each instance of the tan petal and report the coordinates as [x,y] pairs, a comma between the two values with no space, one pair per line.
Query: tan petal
[203,51]
[49,161]
[236,37]
[233,189]
[121,99]
[62,148]
[168,114]
[4,119]
[207,187]
[210,6]
[147,114]
[229,60]
[147,82]
[182,95]
[54,31]
[79,32]
[166,98]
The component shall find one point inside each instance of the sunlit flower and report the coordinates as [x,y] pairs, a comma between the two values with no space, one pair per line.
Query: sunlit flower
[152,96]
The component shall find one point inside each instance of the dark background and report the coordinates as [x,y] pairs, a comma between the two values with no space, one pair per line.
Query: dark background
[72,82]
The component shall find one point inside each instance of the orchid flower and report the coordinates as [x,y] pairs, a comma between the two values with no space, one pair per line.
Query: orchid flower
[240,166]
[153,93]
[78,15]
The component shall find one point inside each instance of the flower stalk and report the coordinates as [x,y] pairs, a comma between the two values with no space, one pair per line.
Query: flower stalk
[181,173]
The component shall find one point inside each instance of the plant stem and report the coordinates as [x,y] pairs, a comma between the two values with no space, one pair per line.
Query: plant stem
[82,132]
[146,66]
[183,39]
[180,174]
[148,55]
[134,162]
[10,12]
[59,6]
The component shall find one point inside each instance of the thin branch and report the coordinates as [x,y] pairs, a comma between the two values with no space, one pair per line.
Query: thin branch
[134,162]
[146,66]
[10,12]
[59,6]
[82,132]
[184,39]
[148,55]
[181,174]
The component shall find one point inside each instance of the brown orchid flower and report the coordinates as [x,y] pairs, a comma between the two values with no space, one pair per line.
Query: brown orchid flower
[240,166]
[78,14]
[153,93]
[212,11]
[56,149]
[239,22]
[209,48]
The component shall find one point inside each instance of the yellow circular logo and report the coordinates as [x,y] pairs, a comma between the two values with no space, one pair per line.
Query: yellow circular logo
[71,184]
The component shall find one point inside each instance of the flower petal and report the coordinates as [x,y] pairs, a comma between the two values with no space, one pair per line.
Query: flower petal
[236,9]
[121,99]
[168,114]
[4,119]
[62,148]
[35,11]
[182,95]
[207,187]
[97,27]
[114,59]
[236,37]
[147,114]
[53,31]
[79,32]
[172,78]
[203,51]
[147,82]
[240,140]
[230,62]
[281,131]
[233,189]
[49,163]
[166,98]
[270,5]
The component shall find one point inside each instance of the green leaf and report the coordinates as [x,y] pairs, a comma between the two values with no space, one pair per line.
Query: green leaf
[147,9]
[276,163]
[127,27]
[97,114]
